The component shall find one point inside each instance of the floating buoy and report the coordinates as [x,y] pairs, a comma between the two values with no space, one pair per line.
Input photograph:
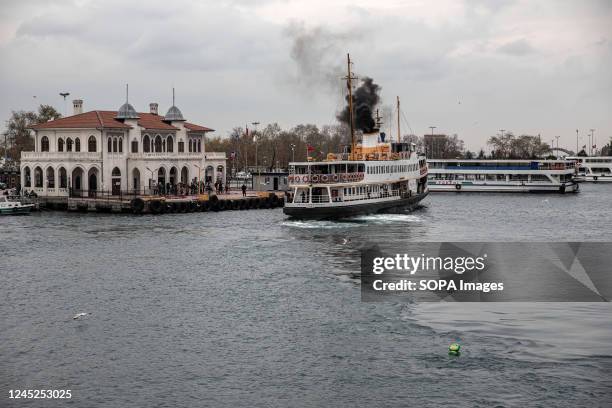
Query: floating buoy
[454,349]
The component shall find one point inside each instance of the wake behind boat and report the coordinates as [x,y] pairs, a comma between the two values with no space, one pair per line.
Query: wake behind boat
[374,176]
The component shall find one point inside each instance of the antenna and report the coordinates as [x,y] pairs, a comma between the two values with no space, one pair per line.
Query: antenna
[127,93]
[172,96]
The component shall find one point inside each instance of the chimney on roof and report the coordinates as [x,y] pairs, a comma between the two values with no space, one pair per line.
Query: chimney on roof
[77,104]
[153,108]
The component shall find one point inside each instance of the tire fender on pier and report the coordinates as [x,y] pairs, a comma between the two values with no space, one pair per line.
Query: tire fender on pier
[137,205]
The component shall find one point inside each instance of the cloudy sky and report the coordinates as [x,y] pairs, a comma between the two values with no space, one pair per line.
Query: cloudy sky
[469,67]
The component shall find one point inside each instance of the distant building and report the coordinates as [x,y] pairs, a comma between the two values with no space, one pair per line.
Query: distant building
[435,145]
[116,151]
[275,180]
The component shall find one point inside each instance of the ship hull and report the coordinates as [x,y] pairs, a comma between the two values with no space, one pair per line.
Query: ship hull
[345,211]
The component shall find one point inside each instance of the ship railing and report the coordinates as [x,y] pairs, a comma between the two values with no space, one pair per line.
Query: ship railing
[325,199]
[326,178]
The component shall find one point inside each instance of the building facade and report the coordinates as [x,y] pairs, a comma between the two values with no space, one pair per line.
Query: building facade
[118,152]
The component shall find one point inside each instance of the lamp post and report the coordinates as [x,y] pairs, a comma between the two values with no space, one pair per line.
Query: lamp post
[151,179]
[255,137]
[199,178]
[432,142]
[576,141]
[557,137]
[64,94]
[593,141]
[292,151]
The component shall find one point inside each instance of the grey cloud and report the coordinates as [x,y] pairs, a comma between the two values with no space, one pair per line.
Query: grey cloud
[517,48]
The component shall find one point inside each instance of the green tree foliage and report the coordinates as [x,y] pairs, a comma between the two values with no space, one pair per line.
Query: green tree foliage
[18,136]
[508,146]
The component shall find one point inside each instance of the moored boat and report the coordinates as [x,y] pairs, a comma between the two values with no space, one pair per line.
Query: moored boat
[14,207]
[593,168]
[498,176]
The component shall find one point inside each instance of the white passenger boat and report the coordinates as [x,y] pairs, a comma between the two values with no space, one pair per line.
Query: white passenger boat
[13,207]
[524,176]
[595,168]
[376,175]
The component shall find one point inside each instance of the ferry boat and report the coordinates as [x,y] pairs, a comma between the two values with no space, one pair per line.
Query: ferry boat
[516,176]
[375,175]
[596,168]
[13,207]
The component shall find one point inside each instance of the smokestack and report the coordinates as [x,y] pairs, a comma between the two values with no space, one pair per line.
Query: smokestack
[153,108]
[77,105]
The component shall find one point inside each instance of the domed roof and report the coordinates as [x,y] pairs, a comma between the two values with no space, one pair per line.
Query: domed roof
[173,114]
[127,111]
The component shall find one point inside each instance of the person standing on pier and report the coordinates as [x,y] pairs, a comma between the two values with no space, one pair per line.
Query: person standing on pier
[243,189]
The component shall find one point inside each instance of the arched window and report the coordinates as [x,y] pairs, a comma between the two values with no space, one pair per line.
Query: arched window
[199,146]
[116,172]
[184,175]
[110,144]
[77,145]
[181,147]
[120,145]
[69,145]
[114,145]
[50,177]
[63,179]
[44,144]
[190,149]
[169,144]
[38,177]
[158,144]
[27,182]
[146,144]
[60,145]
[134,146]
[91,144]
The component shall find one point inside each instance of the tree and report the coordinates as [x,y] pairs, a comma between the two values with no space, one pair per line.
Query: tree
[508,146]
[607,149]
[17,132]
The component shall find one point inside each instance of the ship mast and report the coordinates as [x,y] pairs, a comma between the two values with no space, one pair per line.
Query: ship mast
[398,121]
[349,78]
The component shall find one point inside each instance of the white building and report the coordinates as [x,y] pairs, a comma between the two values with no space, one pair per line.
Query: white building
[118,151]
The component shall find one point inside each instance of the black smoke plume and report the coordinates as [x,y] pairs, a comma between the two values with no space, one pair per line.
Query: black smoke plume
[365,99]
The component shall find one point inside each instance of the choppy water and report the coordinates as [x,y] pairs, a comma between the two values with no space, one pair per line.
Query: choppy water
[250,309]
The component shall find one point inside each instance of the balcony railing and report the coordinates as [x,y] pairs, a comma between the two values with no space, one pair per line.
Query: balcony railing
[325,199]
[176,155]
[64,156]
[325,178]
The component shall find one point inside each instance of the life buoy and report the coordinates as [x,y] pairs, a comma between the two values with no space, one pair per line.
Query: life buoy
[458,186]
[315,178]
[594,178]
[325,178]
[291,179]
[335,177]
[305,179]
[345,177]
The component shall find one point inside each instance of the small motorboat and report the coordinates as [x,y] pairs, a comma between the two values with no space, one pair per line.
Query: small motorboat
[13,207]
